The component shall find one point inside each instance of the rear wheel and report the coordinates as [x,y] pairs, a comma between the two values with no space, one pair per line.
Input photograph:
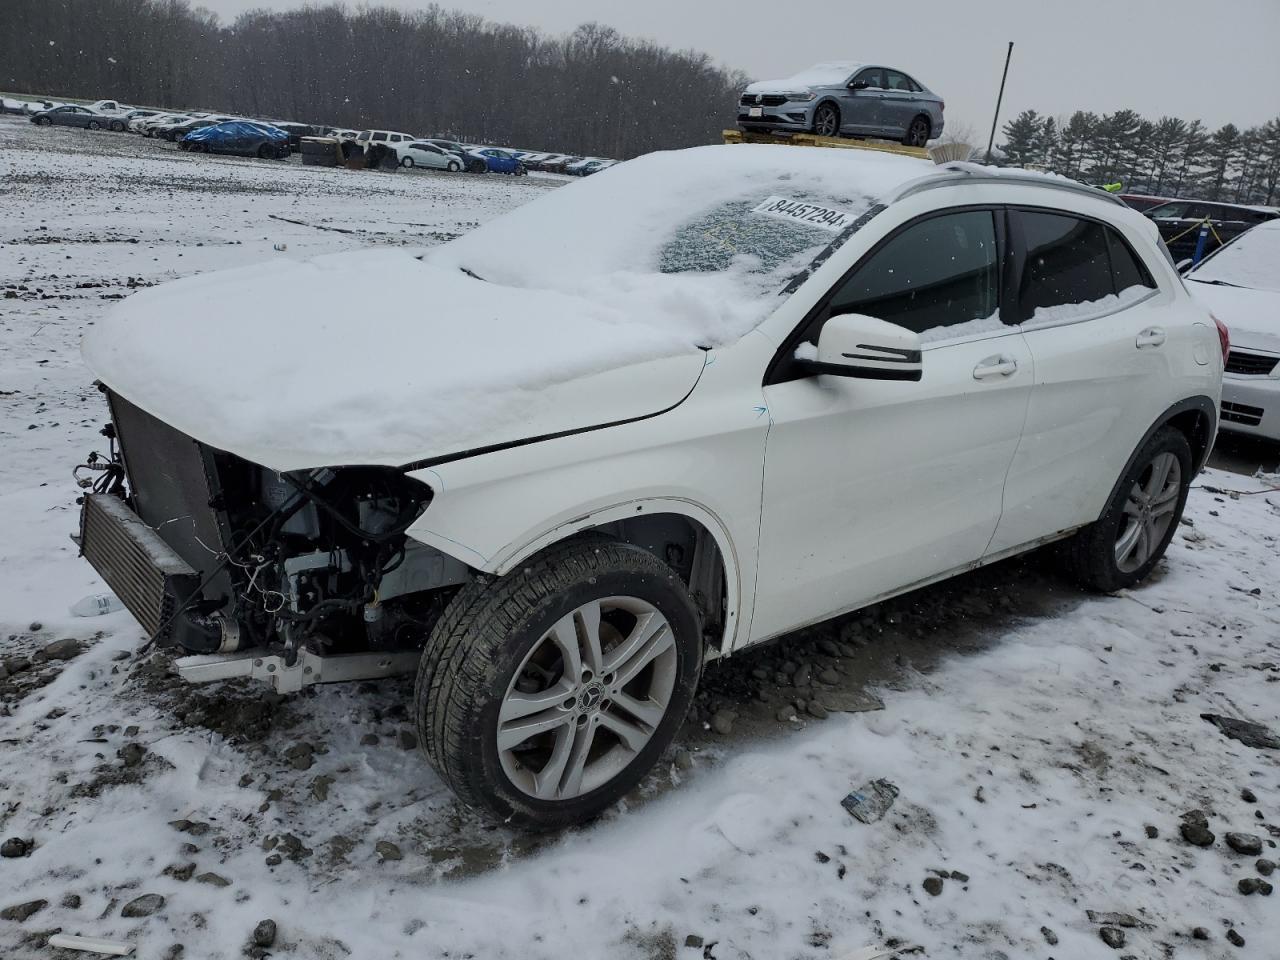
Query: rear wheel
[546,695]
[94,125]
[917,132]
[826,120]
[1127,541]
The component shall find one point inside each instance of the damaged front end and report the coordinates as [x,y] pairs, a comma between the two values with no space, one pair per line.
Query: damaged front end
[299,577]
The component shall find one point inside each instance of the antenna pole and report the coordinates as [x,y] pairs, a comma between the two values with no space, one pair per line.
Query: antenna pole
[996,119]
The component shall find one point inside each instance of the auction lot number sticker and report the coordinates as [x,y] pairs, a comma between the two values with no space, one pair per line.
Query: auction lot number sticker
[797,211]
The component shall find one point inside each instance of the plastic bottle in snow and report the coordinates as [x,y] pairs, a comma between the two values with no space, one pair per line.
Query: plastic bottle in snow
[96,605]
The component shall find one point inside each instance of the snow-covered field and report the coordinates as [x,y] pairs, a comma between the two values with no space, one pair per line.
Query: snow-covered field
[1045,743]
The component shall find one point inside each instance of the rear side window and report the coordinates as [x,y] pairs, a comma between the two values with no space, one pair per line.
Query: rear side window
[1072,262]
[1128,271]
[934,276]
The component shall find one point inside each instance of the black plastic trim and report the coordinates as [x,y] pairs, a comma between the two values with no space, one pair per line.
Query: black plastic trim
[1199,404]
[860,373]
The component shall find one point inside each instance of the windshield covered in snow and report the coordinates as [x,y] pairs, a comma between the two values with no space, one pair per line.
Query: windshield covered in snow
[704,240]
[1251,260]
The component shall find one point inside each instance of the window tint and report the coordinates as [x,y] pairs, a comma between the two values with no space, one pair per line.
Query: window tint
[896,81]
[1067,262]
[1171,211]
[871,77]
[937,273]
[1127,269]
[379,136]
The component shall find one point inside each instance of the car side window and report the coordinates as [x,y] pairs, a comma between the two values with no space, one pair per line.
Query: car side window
[1067,263]
[936,274]
[379,136]
[871,77]
[1127,269]
[1170,211]
[896,81]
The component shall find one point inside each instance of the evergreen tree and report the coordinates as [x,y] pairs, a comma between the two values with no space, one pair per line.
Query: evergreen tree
[1023,137]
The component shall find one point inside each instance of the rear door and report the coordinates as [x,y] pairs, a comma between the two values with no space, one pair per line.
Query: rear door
[873,485]
[901,102]
[1103,342]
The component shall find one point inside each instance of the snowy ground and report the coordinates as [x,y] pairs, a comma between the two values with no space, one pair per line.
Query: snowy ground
[1038,736]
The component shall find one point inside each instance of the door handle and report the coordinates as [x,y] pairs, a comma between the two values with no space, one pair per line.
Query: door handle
[1150,337]
[1001,365]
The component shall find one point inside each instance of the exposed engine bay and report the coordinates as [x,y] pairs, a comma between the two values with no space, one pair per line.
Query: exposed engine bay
[216,555]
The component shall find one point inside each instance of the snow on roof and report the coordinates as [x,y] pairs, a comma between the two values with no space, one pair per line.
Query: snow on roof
[819,75]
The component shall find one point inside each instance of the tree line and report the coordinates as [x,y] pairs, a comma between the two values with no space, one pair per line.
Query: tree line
[1165,157]
[431,72]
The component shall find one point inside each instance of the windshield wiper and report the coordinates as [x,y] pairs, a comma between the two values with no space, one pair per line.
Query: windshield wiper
[1218,283]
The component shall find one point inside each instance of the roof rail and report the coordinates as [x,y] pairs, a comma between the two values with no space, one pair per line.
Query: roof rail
[951,174]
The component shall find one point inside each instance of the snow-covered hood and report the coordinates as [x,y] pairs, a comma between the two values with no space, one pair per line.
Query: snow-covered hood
[830,74]
[1251,316]
[376,357]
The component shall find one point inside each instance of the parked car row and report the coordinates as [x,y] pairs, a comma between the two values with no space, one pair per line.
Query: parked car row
[256,136]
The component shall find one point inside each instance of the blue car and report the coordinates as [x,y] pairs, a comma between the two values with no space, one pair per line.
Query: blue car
[239,137]
[500,161]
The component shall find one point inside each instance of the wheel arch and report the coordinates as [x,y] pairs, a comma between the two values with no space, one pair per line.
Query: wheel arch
[685,535]
[1196,417]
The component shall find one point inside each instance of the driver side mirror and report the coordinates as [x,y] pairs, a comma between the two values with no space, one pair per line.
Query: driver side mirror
[853,345]
[859,85]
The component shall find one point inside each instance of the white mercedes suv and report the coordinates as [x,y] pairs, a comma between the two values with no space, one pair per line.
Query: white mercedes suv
[649,419]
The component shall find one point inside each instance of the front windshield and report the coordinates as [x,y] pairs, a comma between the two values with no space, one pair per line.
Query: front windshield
[1251,260]
[715,232]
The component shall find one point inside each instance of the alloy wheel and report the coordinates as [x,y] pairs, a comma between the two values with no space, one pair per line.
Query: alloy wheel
[827,122]
[918,135]
[586,698]
[1148,511]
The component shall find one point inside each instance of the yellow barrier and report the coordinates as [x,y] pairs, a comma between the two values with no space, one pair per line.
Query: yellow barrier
[812,140]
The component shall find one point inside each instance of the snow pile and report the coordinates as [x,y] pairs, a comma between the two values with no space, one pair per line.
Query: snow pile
[1044,316]
[379,357]
[1251,260]
[827,74]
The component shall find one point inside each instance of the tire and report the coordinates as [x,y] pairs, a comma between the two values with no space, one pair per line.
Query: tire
[1123,546]
[826,120]
[497,648]
[43,121]
[266,152]
[918,131]
[407,163]
[453,166]
[94,125]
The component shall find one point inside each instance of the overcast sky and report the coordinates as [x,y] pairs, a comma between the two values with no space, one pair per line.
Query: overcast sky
[1218,61]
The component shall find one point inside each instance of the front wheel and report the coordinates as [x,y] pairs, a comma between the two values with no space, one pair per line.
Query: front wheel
[94,125]
[43,121]
[407,162]
[1123,546]
[826,120]
[544,696]
[117,126]
[454,166]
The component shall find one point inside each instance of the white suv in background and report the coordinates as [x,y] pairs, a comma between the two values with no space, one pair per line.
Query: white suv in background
[695,402]
[366,137]
[1240,283]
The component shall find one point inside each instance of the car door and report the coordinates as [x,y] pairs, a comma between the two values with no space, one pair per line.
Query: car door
[1102,343]
[900,104]
[861,105]
[873,485]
